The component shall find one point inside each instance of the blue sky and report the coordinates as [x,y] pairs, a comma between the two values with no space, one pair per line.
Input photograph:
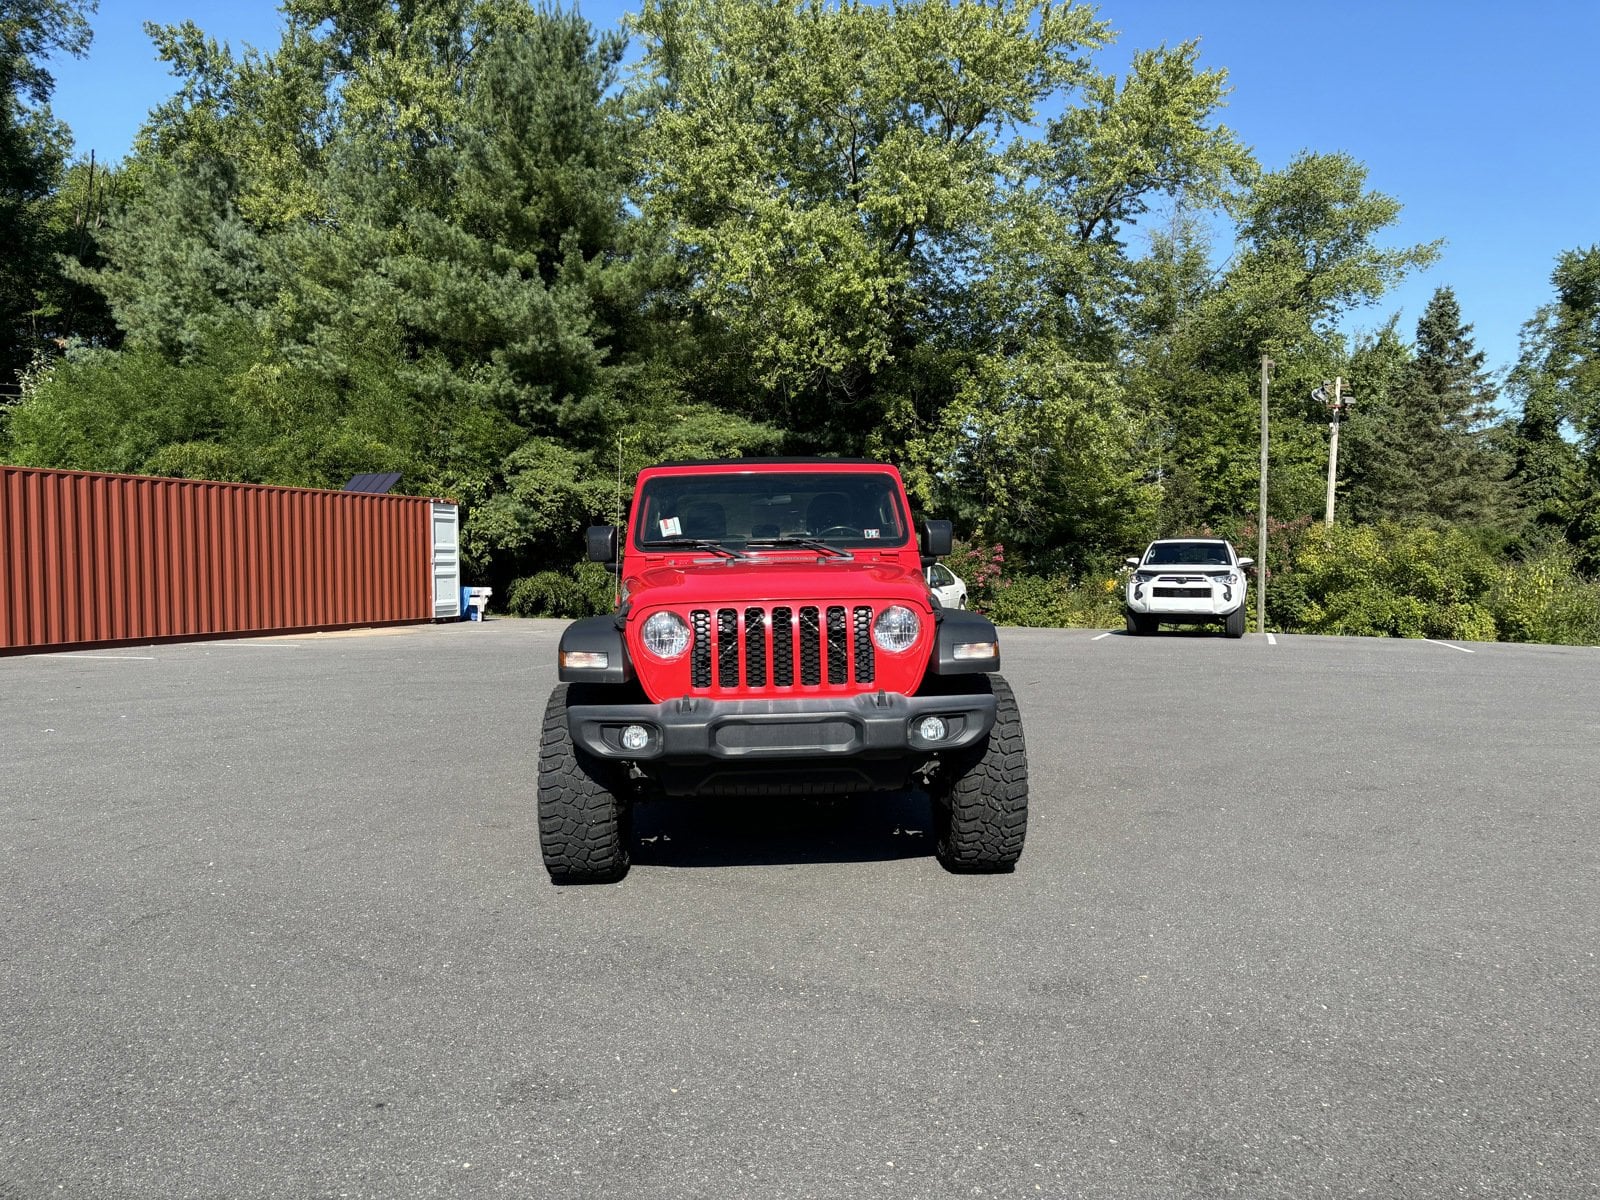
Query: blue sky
[1479,118]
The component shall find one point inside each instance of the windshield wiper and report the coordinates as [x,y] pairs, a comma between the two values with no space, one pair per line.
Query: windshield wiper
[706,544]
[804,543]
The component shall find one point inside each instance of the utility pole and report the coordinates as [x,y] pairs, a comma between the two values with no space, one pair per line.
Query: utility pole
[1337,402]
[1261,532]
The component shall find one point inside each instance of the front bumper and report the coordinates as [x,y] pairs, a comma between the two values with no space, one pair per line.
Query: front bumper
[696,729]
[1192,601]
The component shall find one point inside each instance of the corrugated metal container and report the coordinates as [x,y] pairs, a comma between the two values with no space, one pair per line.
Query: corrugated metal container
[93,559]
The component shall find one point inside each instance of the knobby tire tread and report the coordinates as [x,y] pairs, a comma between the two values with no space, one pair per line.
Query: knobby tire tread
[583,822]
[981,806]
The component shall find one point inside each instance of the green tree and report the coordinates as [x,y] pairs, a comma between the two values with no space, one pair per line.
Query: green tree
[1423,444]
[1306,252]
[68,309]
[1452,402]
[181,259]
[1557,377]
[828,174]
[1049,439]
[1374,467]
[34,147]
[399,241]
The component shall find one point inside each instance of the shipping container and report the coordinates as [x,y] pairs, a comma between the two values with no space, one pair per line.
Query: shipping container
[93,559]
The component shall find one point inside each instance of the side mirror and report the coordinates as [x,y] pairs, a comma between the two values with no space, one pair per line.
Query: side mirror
[602,543]
[937,538]
[1131,562]
[1246,562]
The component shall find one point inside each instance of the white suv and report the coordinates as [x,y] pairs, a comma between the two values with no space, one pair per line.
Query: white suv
[1187,581]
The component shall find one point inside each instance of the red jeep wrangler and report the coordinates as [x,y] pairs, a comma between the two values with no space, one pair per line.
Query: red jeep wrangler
[776,636]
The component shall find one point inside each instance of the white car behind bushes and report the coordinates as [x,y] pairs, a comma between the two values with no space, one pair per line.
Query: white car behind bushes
[1187,581]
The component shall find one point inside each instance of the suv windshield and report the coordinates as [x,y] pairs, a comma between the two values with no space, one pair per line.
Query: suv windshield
[1188,554]
[858,508]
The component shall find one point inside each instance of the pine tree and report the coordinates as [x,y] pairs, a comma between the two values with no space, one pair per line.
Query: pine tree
[1447,408]
[1375,477]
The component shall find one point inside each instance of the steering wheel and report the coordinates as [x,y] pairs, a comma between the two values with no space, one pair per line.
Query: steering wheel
[838,531]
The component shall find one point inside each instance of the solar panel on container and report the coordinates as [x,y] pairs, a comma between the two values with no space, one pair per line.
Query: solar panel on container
[377,483]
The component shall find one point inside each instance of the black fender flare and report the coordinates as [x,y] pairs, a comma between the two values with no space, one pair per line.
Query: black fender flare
[960,627]
[596,635]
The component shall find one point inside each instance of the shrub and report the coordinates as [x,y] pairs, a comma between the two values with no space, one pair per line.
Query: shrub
[1095,601]
[980,567]
[1545,600]
[586,591]
[1386,580]
[1037,600]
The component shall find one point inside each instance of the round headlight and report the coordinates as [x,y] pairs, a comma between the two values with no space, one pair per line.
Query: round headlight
[896,629]
[666,635]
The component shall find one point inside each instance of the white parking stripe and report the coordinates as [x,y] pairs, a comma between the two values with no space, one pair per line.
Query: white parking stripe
[1106,634]
[110,657]
[1463,649]
[1271,641]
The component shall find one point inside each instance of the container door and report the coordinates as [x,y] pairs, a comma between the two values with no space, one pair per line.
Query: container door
[446,562]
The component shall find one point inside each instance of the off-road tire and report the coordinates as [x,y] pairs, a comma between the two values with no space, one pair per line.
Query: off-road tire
[1235,628]
[584,818]
[980,800]
[1140,624]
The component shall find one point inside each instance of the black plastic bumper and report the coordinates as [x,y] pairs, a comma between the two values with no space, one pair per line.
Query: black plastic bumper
[877,724]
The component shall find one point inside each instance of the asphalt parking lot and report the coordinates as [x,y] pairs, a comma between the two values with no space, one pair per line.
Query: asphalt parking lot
[1309,918]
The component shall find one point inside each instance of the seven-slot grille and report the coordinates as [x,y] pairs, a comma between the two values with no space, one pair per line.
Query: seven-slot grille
[751,649]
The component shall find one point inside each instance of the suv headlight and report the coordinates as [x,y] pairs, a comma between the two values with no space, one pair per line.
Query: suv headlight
[896,629]
[665,635]
[1227,580]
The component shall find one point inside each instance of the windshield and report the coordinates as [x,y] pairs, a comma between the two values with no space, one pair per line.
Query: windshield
[1188,554]
[861,508]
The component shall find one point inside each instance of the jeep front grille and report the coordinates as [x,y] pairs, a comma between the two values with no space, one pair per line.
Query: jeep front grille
[748,649]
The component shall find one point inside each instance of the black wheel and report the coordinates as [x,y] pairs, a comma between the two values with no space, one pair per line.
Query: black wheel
[980,800]
[1236,622]
[583,820]
[1141,624]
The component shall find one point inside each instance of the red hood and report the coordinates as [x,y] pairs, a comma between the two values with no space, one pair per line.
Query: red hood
[777,580]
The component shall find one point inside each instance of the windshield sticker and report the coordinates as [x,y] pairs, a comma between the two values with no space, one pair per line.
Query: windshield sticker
[671,527]
[869,533]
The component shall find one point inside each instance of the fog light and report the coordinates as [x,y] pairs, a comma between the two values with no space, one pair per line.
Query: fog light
[931,729]
[635,737]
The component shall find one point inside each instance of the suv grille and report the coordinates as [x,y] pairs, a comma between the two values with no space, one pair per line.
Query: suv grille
[745,648]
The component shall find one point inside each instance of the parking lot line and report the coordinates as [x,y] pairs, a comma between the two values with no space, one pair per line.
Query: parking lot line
[1463,649]
[109,657]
